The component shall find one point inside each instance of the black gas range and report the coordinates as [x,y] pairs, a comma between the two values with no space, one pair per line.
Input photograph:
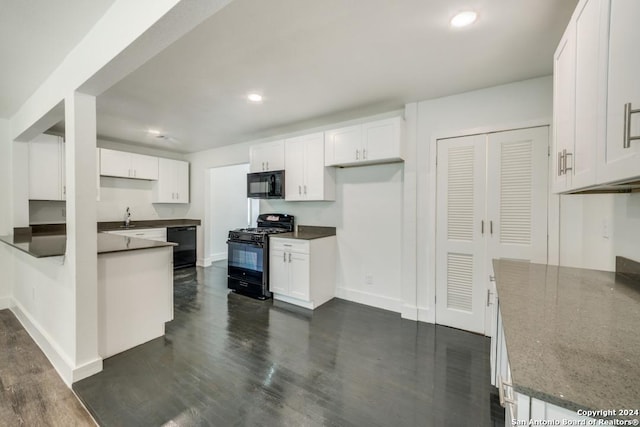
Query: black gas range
[248,254]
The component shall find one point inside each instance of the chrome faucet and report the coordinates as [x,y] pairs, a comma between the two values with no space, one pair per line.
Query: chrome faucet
[127,217]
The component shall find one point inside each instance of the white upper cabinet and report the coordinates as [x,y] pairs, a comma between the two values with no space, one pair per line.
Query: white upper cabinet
[172,185]
[621,157]
[47,168]
[580,97]
[379,141]
[268,156]
[128,165]
[306,177]
[597,97]
[563,106]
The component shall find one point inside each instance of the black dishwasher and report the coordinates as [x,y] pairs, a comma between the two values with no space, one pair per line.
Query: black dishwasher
[184,255]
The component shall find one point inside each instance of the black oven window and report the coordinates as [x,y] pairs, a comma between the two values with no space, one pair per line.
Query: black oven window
[245,256]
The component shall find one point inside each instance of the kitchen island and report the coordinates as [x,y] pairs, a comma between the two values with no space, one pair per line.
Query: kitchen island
[572,340]
[135,285]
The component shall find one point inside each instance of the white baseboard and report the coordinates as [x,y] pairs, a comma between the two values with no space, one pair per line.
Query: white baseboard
[87,369]
[6,302]
[203,262]
[219,256]
[54,353]
[409,312]
[426,315]
[367,298]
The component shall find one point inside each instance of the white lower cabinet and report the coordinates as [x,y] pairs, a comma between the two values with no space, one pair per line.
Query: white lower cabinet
[302,272]
[520,409]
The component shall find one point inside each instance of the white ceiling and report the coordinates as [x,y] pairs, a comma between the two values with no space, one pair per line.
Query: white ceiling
[35,36]
[316,62]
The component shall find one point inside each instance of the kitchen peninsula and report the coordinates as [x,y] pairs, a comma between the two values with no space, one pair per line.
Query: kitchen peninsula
[135,284]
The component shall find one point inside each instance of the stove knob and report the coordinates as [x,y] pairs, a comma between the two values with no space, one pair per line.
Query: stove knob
[235,235]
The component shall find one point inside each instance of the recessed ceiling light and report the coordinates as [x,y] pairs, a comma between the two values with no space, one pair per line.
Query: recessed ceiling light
[463,19]
[254,97]
[154,132]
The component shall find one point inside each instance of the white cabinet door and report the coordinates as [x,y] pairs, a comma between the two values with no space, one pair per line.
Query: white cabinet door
[294,169]
[591,27]
[299,275]
[563,108]
[144,167]
[343,145]
[517,195]
[182,181]
[622,156]
[278,271]
[115,163]
[306,177]
[268,156]
[382,140]
[460,258]
[46,168]
[121,164]
[172,185]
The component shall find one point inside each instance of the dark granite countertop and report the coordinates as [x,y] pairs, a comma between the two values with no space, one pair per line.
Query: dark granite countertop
[108,243]
[308,232]
[572,334]
[39,246]
[153,223]
[42,246]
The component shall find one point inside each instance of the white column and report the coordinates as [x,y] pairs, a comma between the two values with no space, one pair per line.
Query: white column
[409,217]
[81,255]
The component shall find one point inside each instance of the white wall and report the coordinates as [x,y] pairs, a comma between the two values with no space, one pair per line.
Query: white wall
[201,163]
[5,212]
[229,206]
[367,214]
[595,228]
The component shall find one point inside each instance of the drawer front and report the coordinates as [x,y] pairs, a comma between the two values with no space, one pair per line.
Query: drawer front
[289,245]
[159,234]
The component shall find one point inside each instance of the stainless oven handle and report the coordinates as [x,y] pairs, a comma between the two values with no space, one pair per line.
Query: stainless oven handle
[243,242]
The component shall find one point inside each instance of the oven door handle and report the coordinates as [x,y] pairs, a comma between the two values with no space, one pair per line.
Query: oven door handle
[244,242]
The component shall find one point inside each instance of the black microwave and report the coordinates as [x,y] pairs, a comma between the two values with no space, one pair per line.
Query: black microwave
[265,185]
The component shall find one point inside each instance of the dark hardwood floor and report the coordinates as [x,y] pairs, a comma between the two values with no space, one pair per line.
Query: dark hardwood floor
[228,360]
[31,391]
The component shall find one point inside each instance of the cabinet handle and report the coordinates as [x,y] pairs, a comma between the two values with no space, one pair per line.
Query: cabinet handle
[299,190]
[482,227]
[364,154]
[263,166]
[289,256]
[628,111]
[305,189]
[560,157]
[488,297]
[491,227]
[267,165]
[566,168]
[492,278]
[284,257]
[357,154]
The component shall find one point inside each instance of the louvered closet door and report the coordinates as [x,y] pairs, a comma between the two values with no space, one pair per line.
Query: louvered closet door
[460,243]
[517,194]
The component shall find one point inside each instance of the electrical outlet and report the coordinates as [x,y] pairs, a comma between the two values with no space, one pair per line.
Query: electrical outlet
[368,279]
